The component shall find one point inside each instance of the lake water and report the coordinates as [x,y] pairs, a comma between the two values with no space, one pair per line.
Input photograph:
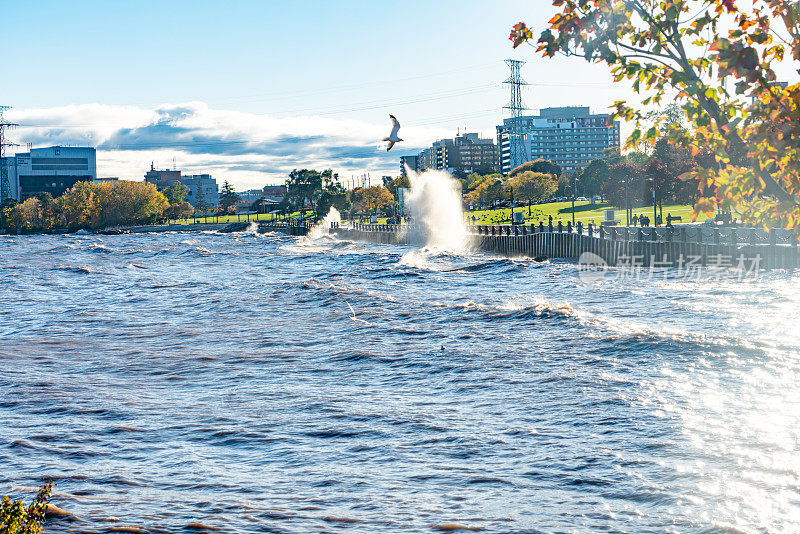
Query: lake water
[267,383]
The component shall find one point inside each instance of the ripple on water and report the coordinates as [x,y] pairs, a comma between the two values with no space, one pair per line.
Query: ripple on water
[201,382]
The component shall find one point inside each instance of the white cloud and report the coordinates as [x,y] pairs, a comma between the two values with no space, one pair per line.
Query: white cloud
[247,149]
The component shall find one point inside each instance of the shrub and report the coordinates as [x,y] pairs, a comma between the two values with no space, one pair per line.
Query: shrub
[15,518]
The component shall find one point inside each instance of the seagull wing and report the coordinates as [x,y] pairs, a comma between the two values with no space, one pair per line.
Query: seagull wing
[391,144]
[395,126]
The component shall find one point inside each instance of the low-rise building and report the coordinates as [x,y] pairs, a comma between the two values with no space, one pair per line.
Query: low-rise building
[49,170]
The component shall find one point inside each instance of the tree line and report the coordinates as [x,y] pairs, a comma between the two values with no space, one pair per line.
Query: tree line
[318,191]
[91,205]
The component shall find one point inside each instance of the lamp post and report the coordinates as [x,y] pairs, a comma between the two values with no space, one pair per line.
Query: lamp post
[574,194]
[512,204]
[627,205]
[655,213]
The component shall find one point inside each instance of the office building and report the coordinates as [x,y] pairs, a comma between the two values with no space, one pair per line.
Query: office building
[49,170]
[571,136]
[203,189]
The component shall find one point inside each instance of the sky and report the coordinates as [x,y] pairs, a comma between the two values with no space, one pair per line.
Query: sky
[248,90]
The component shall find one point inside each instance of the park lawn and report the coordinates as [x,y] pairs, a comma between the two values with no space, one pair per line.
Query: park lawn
[584,212]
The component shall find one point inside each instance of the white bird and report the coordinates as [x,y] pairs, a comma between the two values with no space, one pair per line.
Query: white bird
[393,136]
[354,318]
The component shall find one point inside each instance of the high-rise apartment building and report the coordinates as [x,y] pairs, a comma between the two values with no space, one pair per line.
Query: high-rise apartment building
[467,153]
[569,136]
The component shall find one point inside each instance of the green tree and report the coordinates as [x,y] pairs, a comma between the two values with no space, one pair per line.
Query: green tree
[179,210]
[544,166]
[333,195]
[16,518]
[592,178]
[717,58]
[625,185]
[394,185]
[533,187]
[304,186]
[176,192]
[228,197]
[489,190]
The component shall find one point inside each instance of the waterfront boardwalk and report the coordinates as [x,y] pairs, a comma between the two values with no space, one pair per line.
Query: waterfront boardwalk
[680,246]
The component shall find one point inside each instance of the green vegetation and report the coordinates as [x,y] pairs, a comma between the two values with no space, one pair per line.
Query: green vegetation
[584,213]
[16,518]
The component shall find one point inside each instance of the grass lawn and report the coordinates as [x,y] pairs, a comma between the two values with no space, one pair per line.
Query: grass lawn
[584,212]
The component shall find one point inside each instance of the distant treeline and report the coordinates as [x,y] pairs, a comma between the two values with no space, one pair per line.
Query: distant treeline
[90,205]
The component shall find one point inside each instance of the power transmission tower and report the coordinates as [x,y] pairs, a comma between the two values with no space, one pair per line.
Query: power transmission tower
[519,152]
[5,187]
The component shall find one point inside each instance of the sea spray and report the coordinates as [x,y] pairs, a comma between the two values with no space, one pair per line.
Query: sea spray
[323,227]
[434,204]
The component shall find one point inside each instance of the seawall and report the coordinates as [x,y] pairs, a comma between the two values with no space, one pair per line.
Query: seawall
[683,247]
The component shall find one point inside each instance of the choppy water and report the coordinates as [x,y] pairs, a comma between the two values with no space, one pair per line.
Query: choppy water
[170,382]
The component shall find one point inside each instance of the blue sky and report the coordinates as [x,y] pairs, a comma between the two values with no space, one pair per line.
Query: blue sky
[249,90]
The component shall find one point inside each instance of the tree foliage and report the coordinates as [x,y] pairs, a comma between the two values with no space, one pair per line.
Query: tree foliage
[592,178]
[717,58]
[488,190]
[625,184]
[370,199]
[305,186]
[16,518]
[89,205]
[544,166]
[533,187]
[228,197]
[333,194]
[176,192]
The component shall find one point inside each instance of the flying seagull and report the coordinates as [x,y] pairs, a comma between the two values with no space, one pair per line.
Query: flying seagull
[393,136]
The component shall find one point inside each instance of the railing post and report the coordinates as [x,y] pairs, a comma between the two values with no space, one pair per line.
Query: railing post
[580,228]
[569,227]
[753,236]
[560,227]
[541,227]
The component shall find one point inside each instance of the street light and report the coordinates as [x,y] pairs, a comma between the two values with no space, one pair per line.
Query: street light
[627,205]
[653,188]
[574,194]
